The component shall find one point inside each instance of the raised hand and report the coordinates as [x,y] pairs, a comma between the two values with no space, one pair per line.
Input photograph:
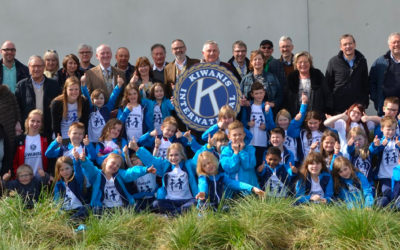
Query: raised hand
[178,134]
[157,142]
[251,124]
[83,80]
[350,141]
[151,170]
[134,78]
[262,126]
[86,141]
[377,141]
[261,167]
[188,135]
[7,176]
[59,138]
[314,145]
[267,107]
[120,81]
[154,133]
[293,168]
[41,172]
[82,156]
[304,98]
[75,153]
[133,145]
[336,148]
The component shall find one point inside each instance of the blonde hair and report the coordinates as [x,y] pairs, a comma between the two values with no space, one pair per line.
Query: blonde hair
[72,80]
[203,156]
[226,111]
[32,113]
[179,148]
[107,128]
[340,162]
[110,156]
[76,125]
[364,151]
[284,113]
[24,168]
[235,125]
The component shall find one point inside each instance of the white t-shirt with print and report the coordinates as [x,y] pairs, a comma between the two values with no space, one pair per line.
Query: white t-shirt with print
[259,136]
[72,116]
[33,153]
[134,123]
[178,185]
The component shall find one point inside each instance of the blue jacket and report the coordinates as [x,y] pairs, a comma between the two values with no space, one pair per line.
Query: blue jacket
[108,107]
[246,112]
[216,186]
[100,146]
[214,128]
[55,150]
[366,167]
[166,108]
[396,183]
[98,180]
[377,76]
[303,189]
[283,172]
[163,166]
[240,166]
[76,185]
[148,141]
[378,151]
[379,133]
[356,199]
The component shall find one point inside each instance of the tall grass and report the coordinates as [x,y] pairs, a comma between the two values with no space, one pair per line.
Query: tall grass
[250,223]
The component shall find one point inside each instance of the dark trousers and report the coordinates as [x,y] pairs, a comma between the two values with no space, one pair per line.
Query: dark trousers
[384,188]
[174,206]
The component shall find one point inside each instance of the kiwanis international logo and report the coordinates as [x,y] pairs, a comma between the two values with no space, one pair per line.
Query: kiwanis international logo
[201,91]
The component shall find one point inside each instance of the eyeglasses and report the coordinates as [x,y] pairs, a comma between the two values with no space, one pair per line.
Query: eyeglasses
[85,52]
[9,49]
[176,48]
[24,175]
[266,47]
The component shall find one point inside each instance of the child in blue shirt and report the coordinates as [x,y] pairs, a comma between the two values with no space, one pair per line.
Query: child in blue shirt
[99,110]
[351,186]
[275,177]
[387,150]
[238,159]
[213,184]
[315,183]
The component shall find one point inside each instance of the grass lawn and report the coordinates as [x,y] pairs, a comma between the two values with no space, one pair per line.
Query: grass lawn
[251,223]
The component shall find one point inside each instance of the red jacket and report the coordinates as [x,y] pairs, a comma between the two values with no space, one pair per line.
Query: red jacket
[19,157]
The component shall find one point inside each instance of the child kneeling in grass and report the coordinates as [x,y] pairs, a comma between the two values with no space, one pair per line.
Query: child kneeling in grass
[109,189]
[213,184]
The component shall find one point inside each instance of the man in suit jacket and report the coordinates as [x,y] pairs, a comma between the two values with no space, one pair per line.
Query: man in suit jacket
[104,76]
[176,68]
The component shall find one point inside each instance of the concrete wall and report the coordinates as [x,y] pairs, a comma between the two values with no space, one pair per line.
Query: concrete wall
[314,25]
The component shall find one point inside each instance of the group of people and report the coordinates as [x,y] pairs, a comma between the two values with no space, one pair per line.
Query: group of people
[108,136]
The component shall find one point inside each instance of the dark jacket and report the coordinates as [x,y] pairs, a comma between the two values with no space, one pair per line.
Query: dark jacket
[27,101]
[62,76]
[235,72]
[56,108]
[377,76]
[22,70]
[347,85]
[128,72]
[318,96]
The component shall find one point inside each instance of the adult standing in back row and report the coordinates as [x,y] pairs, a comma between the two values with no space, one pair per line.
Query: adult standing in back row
[384,77]
[347,77]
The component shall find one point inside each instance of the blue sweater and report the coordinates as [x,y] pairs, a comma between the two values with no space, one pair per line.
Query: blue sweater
[98,179]
[356,198]
[163,167]
[240,166]
[303,188]
[166,108]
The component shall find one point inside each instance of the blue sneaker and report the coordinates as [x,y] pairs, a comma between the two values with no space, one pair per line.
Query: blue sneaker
[81,227]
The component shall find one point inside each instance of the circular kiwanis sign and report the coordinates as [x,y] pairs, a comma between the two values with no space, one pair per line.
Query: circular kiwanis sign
[200,93]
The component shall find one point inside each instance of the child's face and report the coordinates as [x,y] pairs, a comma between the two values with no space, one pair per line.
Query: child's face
[359,141]
[112,165]
[258,95]
[272,160]
[158,92]
[314,168]
[283,122]
[227,120]
[168,130]
[136,161]
[174,157]
[329,144]
[25,177]
[115,131]
[133,96]
[236,135]
[355,114]
[35,123]
[66,171]
[209,167]
[276,140]
[99,101]
[220,143]
[313,124]
[76,135]
[73,92]
[391,109]
[389,131]
[345,172]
